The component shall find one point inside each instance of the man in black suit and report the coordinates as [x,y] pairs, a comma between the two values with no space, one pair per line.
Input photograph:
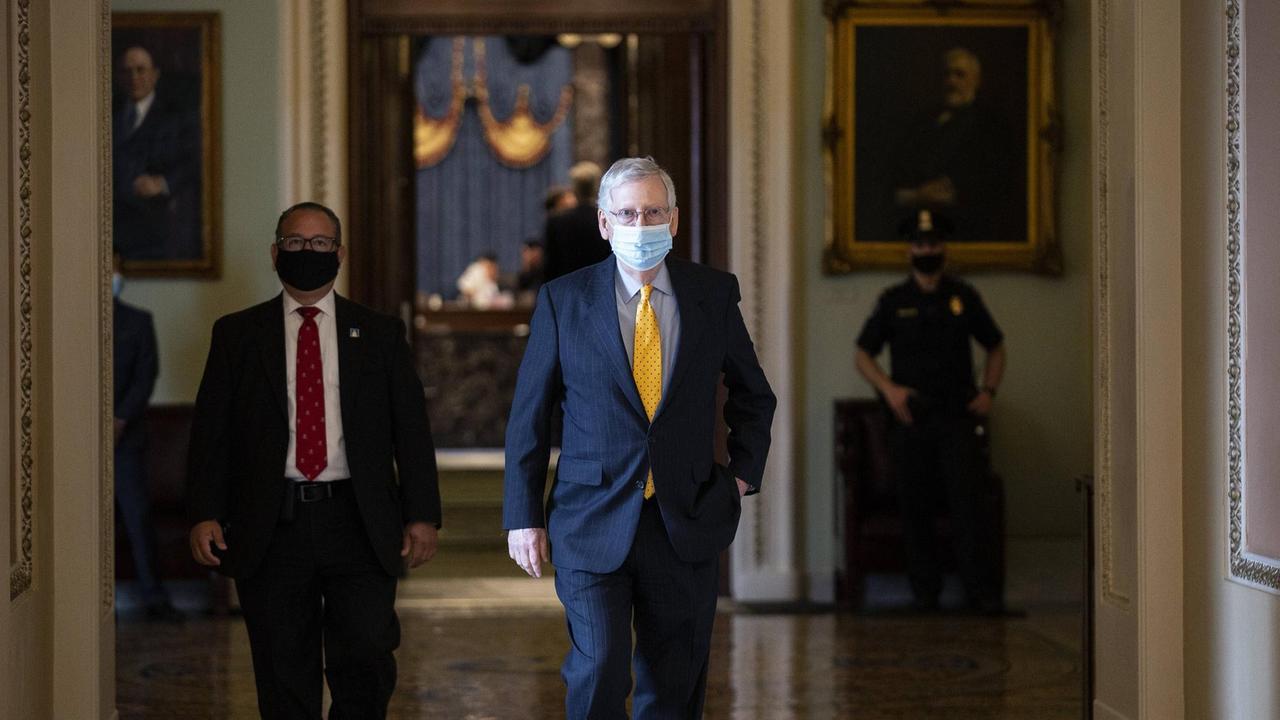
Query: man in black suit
[313,478]
[155,151]
[572,239]
[633,349]
[134,371]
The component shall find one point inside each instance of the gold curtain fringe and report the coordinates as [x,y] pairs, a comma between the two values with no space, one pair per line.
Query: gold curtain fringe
[519,141]
[433,138]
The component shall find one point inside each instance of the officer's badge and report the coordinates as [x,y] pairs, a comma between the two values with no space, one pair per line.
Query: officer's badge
[957,305]
[908,312]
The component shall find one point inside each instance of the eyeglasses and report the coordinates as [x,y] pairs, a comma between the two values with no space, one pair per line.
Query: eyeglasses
[652,216]
[319,243]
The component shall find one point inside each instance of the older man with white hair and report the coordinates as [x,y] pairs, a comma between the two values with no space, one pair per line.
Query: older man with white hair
[632,349]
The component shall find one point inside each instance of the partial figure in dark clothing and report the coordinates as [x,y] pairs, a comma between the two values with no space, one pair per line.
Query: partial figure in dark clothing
[572,237]
[135,367]
[927,322]
[533,268]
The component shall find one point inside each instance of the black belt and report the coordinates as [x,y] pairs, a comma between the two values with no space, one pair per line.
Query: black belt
[309,491]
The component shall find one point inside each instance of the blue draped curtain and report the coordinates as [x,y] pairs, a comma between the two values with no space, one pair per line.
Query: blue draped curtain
[469,202]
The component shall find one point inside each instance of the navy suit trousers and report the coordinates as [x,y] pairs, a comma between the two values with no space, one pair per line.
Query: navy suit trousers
[672,604]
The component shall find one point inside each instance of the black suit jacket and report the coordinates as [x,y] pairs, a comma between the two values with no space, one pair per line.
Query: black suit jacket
[240,434]
[166,143]
[576,360]
[134,370]
[572,241]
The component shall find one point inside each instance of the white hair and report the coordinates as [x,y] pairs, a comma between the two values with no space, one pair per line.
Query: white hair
[629,170]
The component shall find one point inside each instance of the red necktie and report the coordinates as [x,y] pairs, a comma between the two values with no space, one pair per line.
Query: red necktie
[311,453]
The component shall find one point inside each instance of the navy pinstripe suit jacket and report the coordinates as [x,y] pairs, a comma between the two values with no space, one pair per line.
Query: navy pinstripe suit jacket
[576,360]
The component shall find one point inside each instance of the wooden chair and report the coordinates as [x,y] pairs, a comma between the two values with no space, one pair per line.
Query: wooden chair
[872,527]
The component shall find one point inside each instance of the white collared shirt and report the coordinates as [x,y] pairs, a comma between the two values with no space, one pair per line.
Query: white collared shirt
[327,324]
[141,108]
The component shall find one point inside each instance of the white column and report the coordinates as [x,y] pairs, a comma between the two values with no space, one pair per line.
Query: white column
[71,183]
[765,560]
[1137,123]
[313,104]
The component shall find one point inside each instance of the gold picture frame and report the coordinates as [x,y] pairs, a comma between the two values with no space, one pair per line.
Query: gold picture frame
[171,228]
[945,105]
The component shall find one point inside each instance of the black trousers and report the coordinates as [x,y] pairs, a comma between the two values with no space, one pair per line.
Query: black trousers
[940,453]
[672,606]
[133,500]
[320,586]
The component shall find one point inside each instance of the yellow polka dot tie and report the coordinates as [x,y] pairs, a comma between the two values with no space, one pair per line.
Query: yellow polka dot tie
[646,364]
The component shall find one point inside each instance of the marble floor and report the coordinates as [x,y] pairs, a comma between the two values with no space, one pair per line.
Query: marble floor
[490,649]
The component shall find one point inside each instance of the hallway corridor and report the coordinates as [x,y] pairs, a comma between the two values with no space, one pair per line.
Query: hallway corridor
[491,649]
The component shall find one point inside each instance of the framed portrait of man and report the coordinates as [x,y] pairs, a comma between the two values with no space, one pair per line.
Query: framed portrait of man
[166,171]
[947,107]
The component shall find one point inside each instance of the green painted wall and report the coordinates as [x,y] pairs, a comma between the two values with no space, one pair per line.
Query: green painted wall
[185,310]
[1042,423]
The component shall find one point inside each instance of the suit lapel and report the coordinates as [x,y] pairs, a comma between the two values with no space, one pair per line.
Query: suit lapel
[694,325]
[350,354]
[604,312]
[272,350]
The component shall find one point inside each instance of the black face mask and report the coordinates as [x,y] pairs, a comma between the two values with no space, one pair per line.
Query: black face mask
[928,264]
[306,270]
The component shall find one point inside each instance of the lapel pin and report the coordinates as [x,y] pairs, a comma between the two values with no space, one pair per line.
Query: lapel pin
[353,332]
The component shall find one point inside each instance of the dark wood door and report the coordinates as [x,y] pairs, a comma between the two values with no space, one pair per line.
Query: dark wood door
[675,86]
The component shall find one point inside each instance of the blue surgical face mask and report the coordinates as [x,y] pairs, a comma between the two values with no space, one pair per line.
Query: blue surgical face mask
[117,284]
[641,247]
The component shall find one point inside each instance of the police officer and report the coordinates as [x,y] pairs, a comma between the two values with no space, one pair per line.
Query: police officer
[937,411]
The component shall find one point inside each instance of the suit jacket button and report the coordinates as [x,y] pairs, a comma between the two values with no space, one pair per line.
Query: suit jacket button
[640,484]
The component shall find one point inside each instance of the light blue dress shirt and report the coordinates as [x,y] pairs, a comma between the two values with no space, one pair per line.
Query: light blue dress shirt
[665,309]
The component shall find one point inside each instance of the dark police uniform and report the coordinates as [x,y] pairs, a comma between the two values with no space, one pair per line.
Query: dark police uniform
[928,336]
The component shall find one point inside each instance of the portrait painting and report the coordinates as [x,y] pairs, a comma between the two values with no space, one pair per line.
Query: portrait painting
[166,210]
[948,110]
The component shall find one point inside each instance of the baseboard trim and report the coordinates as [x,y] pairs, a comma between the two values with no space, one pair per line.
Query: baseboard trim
[821,588]
[765,586]
[1103,711]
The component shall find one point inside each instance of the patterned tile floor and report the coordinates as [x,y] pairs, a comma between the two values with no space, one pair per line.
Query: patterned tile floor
[491,649]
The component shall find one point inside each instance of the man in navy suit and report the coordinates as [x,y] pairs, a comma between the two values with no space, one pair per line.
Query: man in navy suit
[135,367]
[633,349]
[155,155]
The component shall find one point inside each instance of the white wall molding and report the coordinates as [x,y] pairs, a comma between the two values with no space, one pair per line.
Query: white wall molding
[1158,227]
[761,203]
[1251,568]
[1105,354]
[1138,324]
[70,167]
[313,102]
[21,572]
